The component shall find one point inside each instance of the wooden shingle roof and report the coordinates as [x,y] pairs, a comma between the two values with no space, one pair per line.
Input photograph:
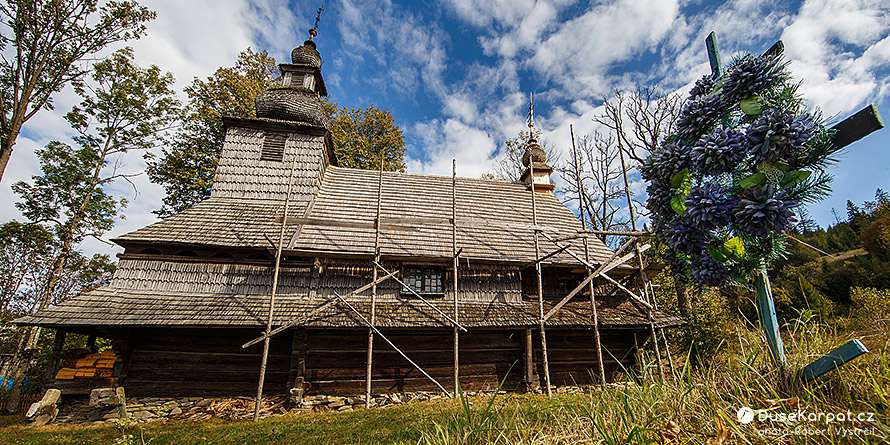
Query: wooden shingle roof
[109,307]
[494,219]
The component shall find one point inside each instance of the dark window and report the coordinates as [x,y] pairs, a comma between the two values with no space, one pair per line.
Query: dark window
[187,253]
[150,251]
[424,279]
[258,256]
[273,147]
[222,255]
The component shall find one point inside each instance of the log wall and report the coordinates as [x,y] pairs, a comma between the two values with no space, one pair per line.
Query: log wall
[210,362]
[335,361]
[203,362]
[572,354]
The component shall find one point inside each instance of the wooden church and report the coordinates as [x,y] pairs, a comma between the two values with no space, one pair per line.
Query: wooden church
[459,276]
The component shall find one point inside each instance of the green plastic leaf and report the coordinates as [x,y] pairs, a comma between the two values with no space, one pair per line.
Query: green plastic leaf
[680,178]
[677,205]
[716,253]
[795,177]
[752,181]
[734,248]
[752,106]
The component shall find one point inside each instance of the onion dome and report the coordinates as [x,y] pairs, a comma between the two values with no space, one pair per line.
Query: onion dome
[533,152]
[298,99]
[537,172]
[306,55]
[292,104]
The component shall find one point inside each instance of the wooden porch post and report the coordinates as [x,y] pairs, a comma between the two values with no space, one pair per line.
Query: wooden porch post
[53,365]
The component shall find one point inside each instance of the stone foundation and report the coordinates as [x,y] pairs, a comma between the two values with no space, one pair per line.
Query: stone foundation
[73,409]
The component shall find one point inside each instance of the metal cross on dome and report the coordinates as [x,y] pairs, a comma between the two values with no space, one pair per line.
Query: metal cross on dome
[314,31]
[531,110]
[846,132]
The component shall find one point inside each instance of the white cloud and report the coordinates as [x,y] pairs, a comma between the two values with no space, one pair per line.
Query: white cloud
[452,139]
[838,47]
[408,54]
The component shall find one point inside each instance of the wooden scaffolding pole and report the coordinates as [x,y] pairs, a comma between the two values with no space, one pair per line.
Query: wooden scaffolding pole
[531,166]
[643,277]
[314,312]
[259,391]
[455,261]
[596,323]
[371,326]
[374,287]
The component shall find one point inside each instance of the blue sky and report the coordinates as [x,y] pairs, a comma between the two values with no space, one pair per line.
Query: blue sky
[456,74]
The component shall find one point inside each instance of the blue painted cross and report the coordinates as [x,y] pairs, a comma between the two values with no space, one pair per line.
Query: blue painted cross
[845,133]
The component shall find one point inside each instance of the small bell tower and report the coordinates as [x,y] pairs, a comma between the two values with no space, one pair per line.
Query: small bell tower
[288,141]
[537,172]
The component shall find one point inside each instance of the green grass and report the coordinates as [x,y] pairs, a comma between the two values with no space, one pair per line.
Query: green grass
[703,403]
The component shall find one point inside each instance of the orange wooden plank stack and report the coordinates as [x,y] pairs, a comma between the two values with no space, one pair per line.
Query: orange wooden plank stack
[66,374]
[89,366]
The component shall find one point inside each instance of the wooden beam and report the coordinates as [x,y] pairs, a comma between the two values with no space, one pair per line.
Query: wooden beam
[857,126]
[91,343]
[593,309]
[602,270]
[714,55]
[541,321]
[549,255]
[376,331]
[410,224]
[528,359]
[315,311]
[53,366]
[278,253]
[617,232]
[347,224]
[370,357]
[631,293]
[455,258]
[834,359]
[639,252]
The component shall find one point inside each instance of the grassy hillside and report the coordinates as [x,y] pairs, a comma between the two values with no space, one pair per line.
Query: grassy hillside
[700,407]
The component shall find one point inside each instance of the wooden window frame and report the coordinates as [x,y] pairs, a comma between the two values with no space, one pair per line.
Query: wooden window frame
[425,275]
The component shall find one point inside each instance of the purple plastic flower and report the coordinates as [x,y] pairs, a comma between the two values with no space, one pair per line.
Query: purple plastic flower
[764,210]
[719,152]
[698,116]
[751,76]
[778,135]
[665,161]
[702,87]
[709,206]
[659,200]
[708,271]
[683,237]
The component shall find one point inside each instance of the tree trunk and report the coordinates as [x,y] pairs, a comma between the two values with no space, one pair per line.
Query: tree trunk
[8,140]
[21,367]
[683,303]
[5,152]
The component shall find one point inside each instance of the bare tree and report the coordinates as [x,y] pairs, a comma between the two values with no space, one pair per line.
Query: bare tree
[595,169]
[640,121]
[510,167]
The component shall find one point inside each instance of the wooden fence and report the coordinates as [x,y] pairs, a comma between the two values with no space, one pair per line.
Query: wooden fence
[24,403]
